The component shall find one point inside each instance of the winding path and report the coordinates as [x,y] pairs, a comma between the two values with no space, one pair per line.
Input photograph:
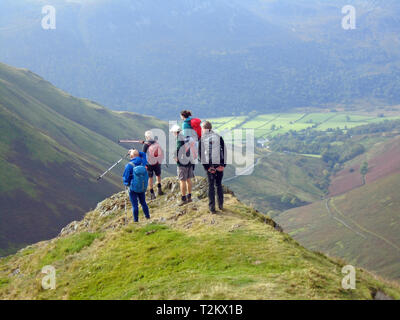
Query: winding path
[366,230]
[341,221]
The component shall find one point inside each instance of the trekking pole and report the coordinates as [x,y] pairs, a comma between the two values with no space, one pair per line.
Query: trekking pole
[112,167]
[126,215]
[130,141]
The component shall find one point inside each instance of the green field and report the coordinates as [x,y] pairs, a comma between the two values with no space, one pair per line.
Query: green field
[263,124]
[228,123]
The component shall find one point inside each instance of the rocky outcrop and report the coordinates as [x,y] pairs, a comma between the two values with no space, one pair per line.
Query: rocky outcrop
[115,211]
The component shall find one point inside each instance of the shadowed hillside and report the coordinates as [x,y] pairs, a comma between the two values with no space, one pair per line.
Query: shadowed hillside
[52,148]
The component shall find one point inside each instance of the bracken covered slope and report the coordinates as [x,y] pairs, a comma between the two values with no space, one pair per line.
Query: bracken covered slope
[359,223]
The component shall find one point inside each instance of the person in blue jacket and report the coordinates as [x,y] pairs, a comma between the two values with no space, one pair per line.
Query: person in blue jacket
[136,178]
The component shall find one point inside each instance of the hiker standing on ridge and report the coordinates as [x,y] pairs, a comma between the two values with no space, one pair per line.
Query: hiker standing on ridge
[155,157]
[136,178]
[213,158]
[190,126]
[191,131]
[184,166]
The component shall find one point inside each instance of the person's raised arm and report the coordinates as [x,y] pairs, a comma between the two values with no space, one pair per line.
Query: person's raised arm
[143,156]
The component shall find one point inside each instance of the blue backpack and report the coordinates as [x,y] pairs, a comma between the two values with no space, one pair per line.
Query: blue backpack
[140,179]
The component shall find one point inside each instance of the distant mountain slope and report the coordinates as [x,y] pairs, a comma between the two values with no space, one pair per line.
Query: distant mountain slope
[184,253]
[279,181]
[360,225]
[383,160]
[219,57]
[52,148]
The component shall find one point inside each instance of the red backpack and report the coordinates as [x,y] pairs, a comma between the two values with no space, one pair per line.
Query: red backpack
[195,124]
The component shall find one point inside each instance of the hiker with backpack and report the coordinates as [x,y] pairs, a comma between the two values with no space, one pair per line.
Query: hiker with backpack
[136,178]
[155,157]
[213,158]
[184,166]
[191,131]
[190,126]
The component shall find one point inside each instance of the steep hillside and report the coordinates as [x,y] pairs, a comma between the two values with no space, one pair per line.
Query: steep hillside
[52,148]
[383,159]
[361,224]
[184,253]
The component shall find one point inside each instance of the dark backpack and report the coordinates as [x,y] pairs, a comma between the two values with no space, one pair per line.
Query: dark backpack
[191,149]
[140,179]
[212,152]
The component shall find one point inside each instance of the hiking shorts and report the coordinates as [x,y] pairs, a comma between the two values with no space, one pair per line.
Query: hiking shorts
[185,173]
[154,169]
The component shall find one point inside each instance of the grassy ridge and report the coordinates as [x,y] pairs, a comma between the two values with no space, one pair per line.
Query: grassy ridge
[185,253]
